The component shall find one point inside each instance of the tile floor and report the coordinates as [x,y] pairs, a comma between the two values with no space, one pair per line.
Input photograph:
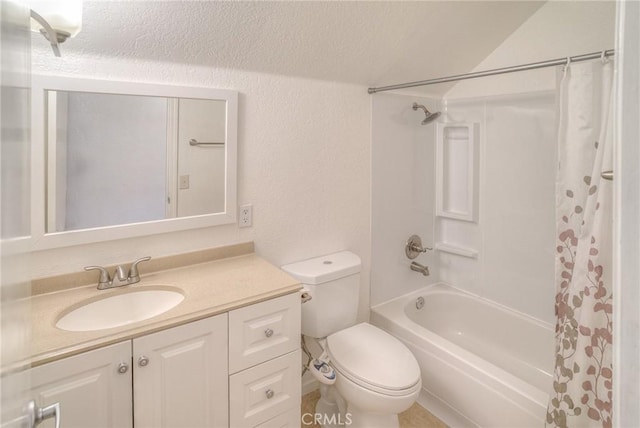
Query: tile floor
[415,417]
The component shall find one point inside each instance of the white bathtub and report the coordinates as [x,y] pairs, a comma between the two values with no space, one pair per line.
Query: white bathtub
[482,364]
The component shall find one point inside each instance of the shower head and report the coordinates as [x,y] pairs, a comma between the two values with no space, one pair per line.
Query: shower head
[430,117]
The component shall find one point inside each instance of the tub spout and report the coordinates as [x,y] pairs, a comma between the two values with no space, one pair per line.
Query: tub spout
[417,267]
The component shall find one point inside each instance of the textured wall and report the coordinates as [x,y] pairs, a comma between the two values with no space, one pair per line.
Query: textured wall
[303,162]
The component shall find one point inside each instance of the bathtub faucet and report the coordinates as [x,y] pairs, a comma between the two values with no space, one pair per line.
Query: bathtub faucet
[417,267]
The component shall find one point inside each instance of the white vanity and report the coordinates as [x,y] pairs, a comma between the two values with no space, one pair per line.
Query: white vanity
[227,356]
[120,160]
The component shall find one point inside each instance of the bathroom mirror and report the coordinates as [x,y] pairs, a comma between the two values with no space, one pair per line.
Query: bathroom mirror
[121,159]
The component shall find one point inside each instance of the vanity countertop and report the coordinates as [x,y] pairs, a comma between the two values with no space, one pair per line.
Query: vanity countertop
[209,288]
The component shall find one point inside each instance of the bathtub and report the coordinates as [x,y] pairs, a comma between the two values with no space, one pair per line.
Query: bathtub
[482,364]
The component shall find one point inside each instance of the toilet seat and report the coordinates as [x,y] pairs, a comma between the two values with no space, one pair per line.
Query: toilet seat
[375,360]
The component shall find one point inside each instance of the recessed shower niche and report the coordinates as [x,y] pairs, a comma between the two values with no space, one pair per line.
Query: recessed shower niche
[457,184]
[456,171]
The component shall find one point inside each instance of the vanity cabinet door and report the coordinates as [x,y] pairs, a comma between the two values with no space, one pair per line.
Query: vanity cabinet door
[180,377]
[93,388]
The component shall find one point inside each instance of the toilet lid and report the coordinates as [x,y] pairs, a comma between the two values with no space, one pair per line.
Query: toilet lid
[374,357]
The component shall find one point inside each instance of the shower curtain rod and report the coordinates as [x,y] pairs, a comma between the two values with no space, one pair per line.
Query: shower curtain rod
[532,66]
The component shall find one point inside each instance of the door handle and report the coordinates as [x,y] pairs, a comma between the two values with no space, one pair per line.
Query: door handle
[37,414]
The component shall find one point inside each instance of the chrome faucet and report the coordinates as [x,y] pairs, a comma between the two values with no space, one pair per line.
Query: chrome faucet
[119,278]
[417,267]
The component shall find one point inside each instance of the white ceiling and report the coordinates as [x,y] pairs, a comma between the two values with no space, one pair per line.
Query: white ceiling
[362,42]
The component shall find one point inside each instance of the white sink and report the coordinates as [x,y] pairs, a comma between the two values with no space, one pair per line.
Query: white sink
[120,309]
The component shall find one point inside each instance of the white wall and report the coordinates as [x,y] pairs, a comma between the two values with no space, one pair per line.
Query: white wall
[626,353]
[556,30]
[303,162]
[402,154]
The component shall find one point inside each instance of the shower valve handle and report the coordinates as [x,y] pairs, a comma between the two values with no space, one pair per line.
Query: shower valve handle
[419,249]
[414,247]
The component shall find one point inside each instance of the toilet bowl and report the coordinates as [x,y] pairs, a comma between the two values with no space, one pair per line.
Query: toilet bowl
[376,376]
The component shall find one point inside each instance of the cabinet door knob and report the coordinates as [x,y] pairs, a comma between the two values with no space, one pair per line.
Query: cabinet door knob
[268,332]
[269,393]
[143,361]
[122,368]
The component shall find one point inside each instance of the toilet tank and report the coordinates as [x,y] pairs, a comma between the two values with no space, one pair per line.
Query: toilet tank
[333,281]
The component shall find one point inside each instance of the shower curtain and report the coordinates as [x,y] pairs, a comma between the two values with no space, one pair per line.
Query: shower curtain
[582,385]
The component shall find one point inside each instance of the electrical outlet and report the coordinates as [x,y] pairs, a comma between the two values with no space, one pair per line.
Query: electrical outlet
[246,216]
[184,182]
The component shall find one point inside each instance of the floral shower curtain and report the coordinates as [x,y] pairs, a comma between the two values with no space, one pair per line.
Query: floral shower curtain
[582,385]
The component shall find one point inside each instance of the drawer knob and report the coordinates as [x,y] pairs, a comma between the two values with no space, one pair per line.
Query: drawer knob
[269,393]
[143,361]
[122,368]
[268,332]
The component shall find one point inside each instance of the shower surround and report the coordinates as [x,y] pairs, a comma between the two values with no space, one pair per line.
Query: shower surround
[510,266]
[514,232]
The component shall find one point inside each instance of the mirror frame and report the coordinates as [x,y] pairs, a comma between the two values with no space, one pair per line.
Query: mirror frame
[41,239]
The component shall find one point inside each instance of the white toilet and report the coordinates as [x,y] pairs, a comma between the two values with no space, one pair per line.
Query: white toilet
[377,377]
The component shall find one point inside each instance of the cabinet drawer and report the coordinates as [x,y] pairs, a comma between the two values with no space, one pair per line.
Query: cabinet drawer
[263,331]
[265,391]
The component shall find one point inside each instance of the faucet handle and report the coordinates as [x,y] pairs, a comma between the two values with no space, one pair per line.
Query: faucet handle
[119,273]
[134,275]
[105,279]
[414,247]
